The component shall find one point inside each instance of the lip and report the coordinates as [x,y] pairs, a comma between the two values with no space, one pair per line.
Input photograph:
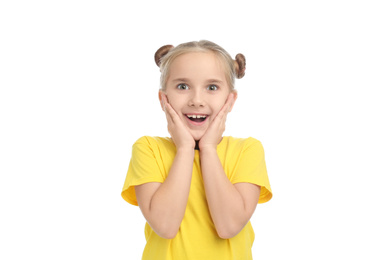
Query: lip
[196,123]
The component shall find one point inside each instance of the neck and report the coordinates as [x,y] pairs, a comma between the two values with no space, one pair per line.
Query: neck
[197,145]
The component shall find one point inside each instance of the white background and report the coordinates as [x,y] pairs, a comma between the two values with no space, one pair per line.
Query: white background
[79,85]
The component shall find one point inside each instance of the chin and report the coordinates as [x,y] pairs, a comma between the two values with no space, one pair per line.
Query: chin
[197,136]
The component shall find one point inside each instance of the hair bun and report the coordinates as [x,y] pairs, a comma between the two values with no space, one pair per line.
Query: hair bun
[240,65]
[161,53]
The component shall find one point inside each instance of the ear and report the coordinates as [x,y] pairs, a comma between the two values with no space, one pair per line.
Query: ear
[160,93]
[234,92]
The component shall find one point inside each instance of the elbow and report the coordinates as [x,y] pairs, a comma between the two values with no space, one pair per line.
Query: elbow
[166,232]
[164,227]
[230,229]
[227,235]
[228,232]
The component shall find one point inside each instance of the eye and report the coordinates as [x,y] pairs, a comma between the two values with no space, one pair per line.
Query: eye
[212,87]
[182,86]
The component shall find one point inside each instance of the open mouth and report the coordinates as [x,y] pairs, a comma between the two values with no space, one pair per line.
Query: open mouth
[197,118]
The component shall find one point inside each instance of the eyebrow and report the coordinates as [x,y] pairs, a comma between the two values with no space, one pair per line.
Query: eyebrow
[181,80]
[208,81]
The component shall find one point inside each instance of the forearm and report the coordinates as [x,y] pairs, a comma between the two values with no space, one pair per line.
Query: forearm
[226,205]
[168,204]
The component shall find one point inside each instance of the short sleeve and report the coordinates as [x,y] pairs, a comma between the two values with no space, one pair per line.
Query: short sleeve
[251,168]
[143,168]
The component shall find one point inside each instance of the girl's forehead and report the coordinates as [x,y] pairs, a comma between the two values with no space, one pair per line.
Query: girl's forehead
[196,56]
[198,61]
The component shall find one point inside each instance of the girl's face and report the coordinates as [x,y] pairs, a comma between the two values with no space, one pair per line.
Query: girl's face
[197,89]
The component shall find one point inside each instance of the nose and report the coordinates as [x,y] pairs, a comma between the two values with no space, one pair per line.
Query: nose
[196,99]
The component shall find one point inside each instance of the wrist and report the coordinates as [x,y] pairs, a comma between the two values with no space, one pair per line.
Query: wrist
[185,150]
[207,145]
[208,148]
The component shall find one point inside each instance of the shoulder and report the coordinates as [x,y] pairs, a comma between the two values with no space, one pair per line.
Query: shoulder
[248,147]
[243,143]
[154,144]
[153,141]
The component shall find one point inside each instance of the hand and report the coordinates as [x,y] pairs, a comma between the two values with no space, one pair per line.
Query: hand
[214,132]
[179,132]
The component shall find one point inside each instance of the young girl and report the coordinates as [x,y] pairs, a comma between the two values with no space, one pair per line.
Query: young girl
[197,190]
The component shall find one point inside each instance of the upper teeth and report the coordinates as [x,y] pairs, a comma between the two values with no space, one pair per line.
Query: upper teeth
[196,116]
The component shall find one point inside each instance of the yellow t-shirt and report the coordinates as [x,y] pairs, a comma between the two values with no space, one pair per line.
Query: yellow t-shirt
[242,160]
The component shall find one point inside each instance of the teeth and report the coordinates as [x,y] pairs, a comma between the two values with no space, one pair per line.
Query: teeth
[196,116]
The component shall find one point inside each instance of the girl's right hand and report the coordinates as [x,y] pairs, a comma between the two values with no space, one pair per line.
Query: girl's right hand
[179,132]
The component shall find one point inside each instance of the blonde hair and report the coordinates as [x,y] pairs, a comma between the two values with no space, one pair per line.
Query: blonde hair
[165,55]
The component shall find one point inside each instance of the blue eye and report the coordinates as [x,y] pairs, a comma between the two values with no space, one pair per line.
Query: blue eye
[212,87]
[182,86]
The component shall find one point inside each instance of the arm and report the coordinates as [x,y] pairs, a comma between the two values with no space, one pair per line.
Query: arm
[163,204]
[231,206]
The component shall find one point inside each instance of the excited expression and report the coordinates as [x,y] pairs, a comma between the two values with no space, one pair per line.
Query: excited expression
[197,89]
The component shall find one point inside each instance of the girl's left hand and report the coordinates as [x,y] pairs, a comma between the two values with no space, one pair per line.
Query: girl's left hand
[214,132]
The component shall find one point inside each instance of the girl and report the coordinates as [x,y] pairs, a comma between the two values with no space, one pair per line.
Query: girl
[197,190]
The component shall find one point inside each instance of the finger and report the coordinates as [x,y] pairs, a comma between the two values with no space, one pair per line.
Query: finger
[164,100]
[220,119]
[168,116]
[166,109]
[226,108]
[172,113]
[230,101]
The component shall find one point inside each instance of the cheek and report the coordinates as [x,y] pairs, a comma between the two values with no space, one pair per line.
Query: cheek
[218,105]
[176,104]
